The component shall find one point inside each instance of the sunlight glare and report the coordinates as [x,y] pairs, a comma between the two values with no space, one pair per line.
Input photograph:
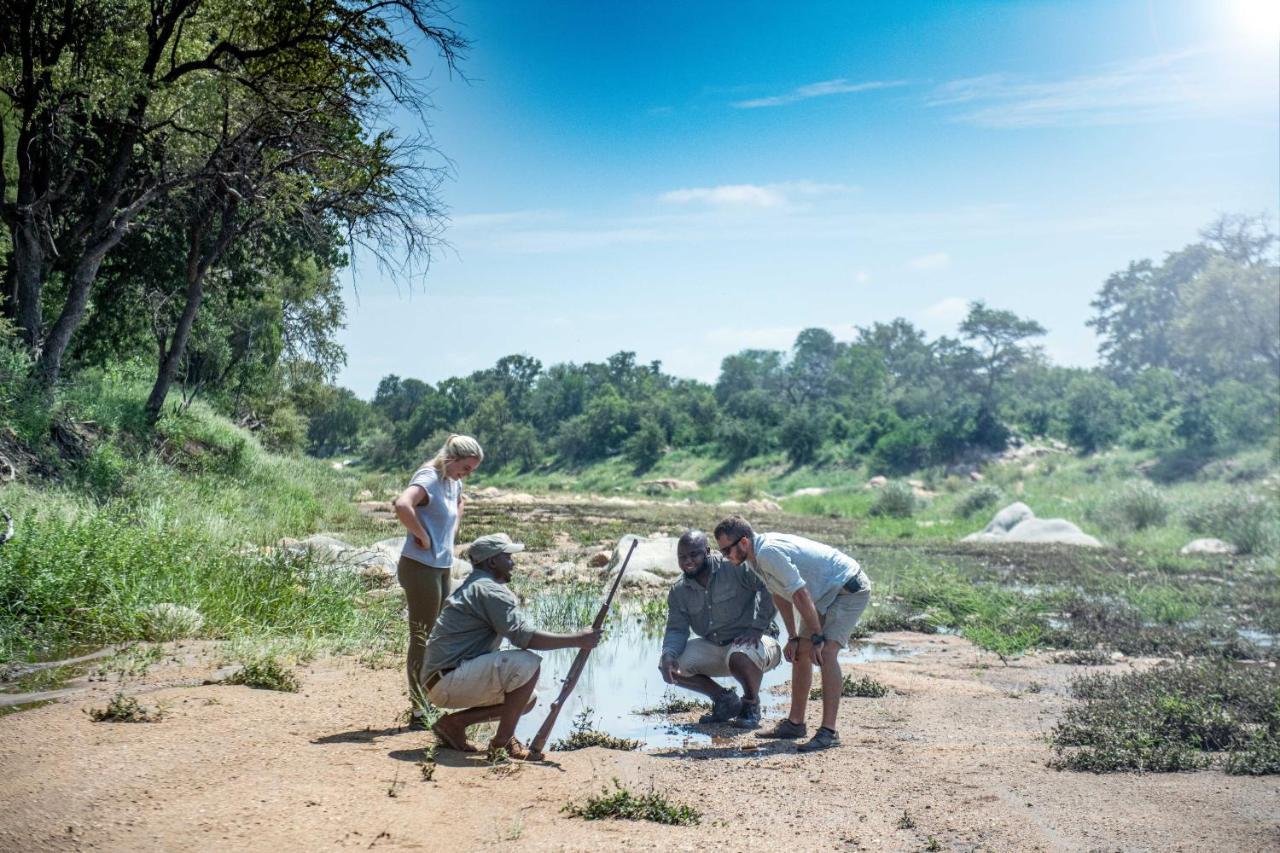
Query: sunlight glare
[1257,20]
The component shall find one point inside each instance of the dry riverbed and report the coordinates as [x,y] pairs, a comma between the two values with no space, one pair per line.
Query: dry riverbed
[953,758]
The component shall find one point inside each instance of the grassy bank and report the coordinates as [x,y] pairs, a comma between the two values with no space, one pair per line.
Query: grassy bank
[120,524]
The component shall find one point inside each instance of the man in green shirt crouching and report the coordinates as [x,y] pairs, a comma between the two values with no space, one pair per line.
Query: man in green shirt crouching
[464,669]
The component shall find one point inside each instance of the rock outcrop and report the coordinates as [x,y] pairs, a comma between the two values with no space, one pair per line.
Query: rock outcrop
[1017,523]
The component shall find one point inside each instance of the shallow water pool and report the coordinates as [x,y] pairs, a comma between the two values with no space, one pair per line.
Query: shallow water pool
[622,677]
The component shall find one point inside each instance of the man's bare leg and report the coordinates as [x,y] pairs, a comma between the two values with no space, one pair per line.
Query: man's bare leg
[832,684]
[748,674]
[452,728]
[514,705]
[700,684]
[801,680]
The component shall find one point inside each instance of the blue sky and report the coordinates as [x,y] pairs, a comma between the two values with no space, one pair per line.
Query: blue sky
[686,180]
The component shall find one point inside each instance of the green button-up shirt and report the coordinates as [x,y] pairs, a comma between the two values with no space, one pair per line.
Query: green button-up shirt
[733,601]
[473,622]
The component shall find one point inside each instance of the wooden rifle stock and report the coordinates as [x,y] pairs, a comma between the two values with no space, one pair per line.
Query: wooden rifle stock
[579,664]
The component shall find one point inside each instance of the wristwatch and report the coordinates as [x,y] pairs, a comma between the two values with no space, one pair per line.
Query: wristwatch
[818,639]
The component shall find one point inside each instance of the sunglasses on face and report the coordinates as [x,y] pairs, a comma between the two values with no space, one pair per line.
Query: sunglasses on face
[728,549]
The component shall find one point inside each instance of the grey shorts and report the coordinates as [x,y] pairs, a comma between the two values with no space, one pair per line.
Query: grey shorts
[843,614]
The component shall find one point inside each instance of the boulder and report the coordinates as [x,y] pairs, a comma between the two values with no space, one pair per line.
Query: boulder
[168,621]
[655,555]
[644,580]
[976,476]
[461,568]
[561,572]
[762,505]
[1050,531]
[1208,546]
[876,482]
[325,548]
[1017,523]
[1009,517]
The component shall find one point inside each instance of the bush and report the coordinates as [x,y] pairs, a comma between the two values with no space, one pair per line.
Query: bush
[266,674]
[1250,522]
[977,499]
[626,805]
[1171,718]
[125,709]
[895,500]
[1138,506]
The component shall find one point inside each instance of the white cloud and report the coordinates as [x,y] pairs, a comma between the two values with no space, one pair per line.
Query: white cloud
[931,261]
[753,195]
[1168,86]
[736,195]
[839,86]
[861,277]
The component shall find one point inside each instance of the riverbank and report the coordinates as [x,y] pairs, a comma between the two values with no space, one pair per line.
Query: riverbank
[953,758]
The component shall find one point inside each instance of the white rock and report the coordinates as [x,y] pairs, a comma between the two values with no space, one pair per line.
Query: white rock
[812,491]
[1208,546]
[653,554]
[975,476]
[168,621]
[877,482]
[643,580]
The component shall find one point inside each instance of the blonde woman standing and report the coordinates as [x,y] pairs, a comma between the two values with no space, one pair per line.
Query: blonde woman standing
[431,511]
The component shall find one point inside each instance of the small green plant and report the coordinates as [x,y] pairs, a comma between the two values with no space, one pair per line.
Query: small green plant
[862,688]
[906,821]
[125,709]
[623,804]
[670,703]
[981,497]
[1084,657]
[1140,505]
[895,500]
[584,735]
[932,844]
[266,674]
[747,487]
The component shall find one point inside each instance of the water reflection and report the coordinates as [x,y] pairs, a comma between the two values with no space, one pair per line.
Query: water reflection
[621,677]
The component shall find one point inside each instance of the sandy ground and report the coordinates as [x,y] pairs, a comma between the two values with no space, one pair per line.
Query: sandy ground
[953,759]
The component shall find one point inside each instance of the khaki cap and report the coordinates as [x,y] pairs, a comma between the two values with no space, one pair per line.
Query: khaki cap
[492,545]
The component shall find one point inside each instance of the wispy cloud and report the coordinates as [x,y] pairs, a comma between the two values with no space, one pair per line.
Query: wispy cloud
[753,195]
[931,261]
[825,88]
[1168,86]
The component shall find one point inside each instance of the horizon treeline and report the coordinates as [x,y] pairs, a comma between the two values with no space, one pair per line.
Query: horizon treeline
[1190,362]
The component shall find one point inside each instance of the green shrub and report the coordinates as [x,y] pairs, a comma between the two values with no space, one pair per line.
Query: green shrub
[1250,522]
[1171,718]
[125,709]
[862,688]
[624,804]
[894,500]
[266,674]
[584,734]
[1141,505]
[979,498]
[673,704]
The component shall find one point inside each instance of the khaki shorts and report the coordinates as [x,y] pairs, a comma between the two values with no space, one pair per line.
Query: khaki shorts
[843,615]
[703,657]
[485,680]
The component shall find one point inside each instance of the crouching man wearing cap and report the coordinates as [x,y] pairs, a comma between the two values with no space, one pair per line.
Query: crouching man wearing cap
[463,668]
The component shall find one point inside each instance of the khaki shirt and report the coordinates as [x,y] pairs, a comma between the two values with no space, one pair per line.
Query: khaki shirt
[733,601]
[475,619]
